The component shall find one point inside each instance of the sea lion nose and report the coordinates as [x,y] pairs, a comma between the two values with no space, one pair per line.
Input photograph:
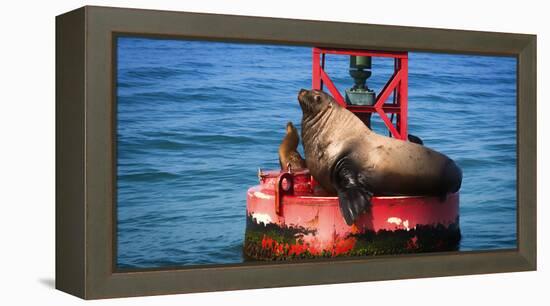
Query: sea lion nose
[302,92]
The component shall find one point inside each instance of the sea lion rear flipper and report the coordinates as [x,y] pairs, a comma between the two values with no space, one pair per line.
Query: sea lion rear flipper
[415,139]
[353,195]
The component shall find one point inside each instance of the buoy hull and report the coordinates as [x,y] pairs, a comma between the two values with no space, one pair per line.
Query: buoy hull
[308,224]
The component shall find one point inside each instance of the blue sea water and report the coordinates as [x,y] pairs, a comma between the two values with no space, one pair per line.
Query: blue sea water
[197,119]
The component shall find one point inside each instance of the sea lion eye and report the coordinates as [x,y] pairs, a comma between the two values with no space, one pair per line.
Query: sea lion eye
[317,98]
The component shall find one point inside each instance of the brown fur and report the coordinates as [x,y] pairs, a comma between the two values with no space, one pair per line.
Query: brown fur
[288,154]
[350,160]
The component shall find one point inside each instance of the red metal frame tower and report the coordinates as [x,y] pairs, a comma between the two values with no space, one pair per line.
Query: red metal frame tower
[398,84]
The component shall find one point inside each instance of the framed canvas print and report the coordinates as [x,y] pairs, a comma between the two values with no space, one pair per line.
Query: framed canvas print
[200,152]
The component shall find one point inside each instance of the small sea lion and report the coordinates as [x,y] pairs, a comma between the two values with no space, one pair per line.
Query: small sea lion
[348,159]
[288,150]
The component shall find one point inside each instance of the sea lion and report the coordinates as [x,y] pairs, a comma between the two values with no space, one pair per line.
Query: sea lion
[288,154]
[348,159]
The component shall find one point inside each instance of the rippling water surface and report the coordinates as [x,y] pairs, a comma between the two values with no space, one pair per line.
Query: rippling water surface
[197,119]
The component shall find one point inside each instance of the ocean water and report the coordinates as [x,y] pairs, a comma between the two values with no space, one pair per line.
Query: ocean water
[197,119]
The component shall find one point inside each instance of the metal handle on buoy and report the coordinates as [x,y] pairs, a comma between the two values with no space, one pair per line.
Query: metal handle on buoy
[280,190]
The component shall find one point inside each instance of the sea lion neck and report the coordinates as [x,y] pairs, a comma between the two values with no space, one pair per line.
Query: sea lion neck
[312,120]
[314,124]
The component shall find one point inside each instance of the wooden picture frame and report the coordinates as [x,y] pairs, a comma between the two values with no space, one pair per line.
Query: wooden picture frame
[86,161]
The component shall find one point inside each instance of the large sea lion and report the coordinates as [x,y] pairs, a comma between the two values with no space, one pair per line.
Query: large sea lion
[288,150]
[348,159]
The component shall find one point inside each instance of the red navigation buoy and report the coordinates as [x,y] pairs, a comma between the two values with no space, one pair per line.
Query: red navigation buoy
[289,217]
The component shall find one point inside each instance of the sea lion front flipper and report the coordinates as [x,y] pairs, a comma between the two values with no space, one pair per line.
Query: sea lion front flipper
[353,195]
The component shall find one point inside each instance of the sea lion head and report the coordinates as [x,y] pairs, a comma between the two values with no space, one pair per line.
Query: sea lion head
[291,129]
[314,101]
[291,133]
